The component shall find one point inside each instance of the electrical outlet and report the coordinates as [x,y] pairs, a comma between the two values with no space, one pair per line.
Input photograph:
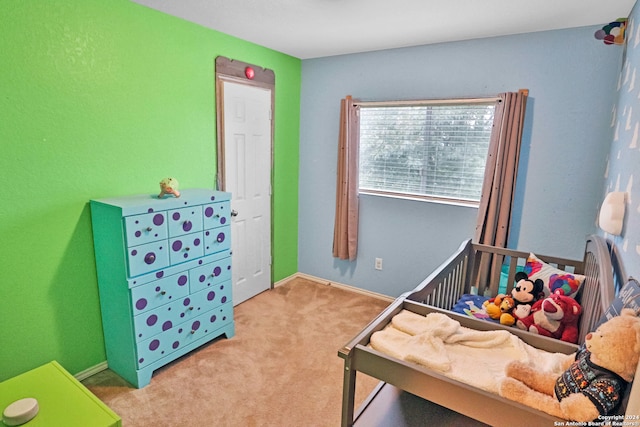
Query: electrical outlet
[378,264]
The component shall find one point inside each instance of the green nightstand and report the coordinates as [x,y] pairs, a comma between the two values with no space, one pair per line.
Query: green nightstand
[62,400]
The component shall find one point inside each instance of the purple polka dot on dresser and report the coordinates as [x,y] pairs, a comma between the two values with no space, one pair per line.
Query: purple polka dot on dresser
[141,303]
[223,300]
[202,278]
[186,302]
[153,345]
[182,280]
[176,216]
[196,325]
[151,320]
[211,296]
[220,237]
[167,325]
[196,242]
[187,225]
[176,246]
[223,220]
[134,252]
[138,233]
[213,318]
[217,271]
[158,219]
[175,344]
[159,274]
[208,212]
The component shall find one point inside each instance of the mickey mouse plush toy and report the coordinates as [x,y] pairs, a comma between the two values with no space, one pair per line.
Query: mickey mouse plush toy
[525,293]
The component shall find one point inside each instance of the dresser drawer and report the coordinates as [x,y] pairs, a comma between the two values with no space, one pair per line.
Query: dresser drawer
[146,258]
[185,248]
[183,334]
[154,294]
[210,274]
[184,220]
[216,214]
[163,318]
[217,239]
[145,228]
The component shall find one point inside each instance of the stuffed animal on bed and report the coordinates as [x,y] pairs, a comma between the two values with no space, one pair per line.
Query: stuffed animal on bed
[500,308]
[525,293]
[555,316]
[593,383]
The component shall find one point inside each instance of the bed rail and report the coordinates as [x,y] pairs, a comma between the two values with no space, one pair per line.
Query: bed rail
[598,289]
[467,272]
[445,285]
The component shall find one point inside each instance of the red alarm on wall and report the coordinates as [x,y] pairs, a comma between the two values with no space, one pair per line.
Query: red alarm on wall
[250,73]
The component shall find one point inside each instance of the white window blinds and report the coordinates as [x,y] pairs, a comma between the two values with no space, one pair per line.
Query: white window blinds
[431,151]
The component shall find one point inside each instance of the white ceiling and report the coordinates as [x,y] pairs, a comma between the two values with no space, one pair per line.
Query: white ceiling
[315,28]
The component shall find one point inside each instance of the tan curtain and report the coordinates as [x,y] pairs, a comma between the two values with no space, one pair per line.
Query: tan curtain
[494,213]
[345,233]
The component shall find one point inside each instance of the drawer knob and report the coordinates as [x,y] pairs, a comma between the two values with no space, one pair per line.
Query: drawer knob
[193,332]
[234,213]
[190,308]
[149,228]
[163,292]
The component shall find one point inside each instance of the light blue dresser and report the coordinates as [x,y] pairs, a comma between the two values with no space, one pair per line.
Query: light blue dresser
[164,276]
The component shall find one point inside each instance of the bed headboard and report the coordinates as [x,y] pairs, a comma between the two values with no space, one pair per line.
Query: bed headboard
[598,290]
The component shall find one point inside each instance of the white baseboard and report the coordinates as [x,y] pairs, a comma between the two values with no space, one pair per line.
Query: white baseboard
[91,371]
[336,284]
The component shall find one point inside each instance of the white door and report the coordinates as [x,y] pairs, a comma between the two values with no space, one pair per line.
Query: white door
[247,175]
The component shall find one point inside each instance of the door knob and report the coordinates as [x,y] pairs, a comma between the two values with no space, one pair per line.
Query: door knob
[234,213]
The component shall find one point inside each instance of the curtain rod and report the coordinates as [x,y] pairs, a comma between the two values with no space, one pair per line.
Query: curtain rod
[427,102]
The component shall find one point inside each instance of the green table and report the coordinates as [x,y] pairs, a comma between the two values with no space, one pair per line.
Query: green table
[62,400]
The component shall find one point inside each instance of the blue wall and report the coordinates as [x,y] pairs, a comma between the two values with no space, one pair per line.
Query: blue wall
[572,80]
[623,173]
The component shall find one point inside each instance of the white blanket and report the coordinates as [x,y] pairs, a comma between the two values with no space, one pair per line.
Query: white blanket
[477,358]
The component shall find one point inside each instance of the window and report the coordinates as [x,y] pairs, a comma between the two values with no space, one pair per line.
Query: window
[429,150]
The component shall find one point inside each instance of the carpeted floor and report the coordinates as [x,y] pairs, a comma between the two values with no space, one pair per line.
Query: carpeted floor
[280,369]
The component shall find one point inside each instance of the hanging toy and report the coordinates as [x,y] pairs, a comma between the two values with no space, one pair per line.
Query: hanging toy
[613,32]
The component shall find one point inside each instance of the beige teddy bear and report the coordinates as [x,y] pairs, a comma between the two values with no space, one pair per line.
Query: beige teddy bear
[593,384]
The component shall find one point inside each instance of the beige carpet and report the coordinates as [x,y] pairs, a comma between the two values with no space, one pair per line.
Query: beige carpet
[280,369]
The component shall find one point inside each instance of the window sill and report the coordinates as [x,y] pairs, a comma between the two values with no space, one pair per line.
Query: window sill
[441,201]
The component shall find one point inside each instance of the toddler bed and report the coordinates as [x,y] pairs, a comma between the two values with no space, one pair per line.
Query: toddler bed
[464,274]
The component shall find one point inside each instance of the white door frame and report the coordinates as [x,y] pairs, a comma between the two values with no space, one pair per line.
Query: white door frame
[229,70]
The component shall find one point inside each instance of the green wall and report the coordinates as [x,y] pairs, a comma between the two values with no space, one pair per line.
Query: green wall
[105,98]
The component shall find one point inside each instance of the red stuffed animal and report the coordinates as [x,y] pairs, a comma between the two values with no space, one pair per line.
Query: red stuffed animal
[555,316]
